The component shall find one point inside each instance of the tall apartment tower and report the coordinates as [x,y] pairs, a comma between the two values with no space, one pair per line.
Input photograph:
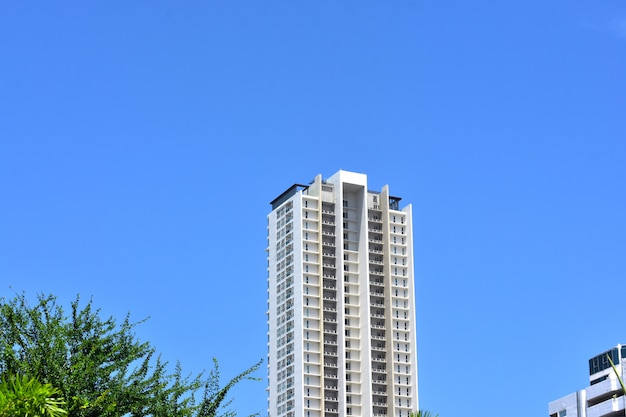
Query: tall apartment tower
[604,396]
[341,307]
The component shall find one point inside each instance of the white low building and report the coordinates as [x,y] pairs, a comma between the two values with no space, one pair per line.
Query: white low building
[604,397]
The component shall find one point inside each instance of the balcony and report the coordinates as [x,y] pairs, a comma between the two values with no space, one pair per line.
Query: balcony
[603,388]
[606,407]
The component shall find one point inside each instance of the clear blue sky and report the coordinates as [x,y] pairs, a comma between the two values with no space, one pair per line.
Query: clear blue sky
[141,142]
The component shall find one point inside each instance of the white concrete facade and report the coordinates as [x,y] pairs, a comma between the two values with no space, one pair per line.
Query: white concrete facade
[341,306]
[604,397]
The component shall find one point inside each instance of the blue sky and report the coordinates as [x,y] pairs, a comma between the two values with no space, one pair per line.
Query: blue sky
[141,143]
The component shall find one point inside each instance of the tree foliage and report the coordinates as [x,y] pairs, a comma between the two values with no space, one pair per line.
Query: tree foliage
[23,396]
[423,413]
[98,365]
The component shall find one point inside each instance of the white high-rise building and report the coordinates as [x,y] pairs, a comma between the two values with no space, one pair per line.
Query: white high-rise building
[341,306]
[604,397]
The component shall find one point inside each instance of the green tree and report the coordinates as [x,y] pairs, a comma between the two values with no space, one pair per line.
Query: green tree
[422,413]
[23,396]
[98,365]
